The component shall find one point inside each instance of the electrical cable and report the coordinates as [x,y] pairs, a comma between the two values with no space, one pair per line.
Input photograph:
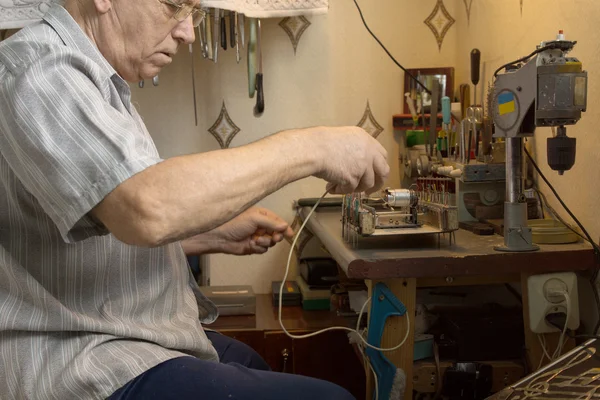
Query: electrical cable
[560,344]
[523,59]
[334,328]
[585,232]
[388,53]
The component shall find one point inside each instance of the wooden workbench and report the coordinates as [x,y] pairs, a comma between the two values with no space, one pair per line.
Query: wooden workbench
[406,263]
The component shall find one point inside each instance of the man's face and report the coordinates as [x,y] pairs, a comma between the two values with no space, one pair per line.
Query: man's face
[142,37]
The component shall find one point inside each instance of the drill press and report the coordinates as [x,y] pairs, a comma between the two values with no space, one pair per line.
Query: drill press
[545,89]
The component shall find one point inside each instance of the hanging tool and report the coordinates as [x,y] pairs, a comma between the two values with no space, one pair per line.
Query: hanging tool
[232,27]
[446,120]
[465,99]
[141,84]
[391,381]
[435,98]
[260,97]
[216,28]
[475,70]
[209,33]
[155,80]
[242,29]
[193,84]
[252,58]
[202,37]
[413,112]
[237,37]
[223,32]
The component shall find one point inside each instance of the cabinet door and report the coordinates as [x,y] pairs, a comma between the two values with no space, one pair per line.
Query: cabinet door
[328,356]
[279,352]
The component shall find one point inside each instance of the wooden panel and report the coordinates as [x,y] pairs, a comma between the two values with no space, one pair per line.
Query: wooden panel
[330,356]
[275,344]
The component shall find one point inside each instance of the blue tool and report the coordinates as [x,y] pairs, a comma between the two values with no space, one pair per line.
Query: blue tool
[384,304]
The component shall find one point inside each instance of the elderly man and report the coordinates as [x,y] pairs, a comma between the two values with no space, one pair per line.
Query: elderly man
[96,298]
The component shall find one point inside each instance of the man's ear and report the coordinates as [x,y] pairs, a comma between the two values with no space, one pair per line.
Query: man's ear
[103,6]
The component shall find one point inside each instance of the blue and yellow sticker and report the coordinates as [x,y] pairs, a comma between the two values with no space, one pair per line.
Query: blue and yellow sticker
[506,103]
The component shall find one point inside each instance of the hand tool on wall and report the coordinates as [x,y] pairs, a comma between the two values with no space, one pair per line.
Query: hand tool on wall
[223,30]
[251,57]
[260,98]
[465,99]
[209,34]
[216,29]
[435,98]
[236,33]
[242,29]
[232,26]
[475,71]
[413,111]
[193,84]
[446,120]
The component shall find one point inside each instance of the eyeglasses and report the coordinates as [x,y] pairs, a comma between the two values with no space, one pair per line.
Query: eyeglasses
[185,10]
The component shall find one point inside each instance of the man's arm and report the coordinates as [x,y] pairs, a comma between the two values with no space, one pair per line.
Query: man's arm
[184,196]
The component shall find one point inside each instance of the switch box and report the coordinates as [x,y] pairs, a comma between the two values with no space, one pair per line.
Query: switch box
[543,300]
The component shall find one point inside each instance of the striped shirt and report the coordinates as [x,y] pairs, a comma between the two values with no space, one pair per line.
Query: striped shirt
[81,313]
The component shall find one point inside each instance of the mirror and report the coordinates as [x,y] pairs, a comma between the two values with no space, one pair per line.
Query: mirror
[445,75]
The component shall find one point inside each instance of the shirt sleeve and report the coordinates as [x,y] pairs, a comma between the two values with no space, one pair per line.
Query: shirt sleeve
[66,142]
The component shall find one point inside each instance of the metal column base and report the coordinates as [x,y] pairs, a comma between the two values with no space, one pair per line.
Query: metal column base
[517,235]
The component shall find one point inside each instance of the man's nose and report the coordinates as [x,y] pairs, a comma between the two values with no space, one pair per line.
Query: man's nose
[184,31]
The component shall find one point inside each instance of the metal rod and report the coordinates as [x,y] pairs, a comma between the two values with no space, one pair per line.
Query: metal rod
[514,169]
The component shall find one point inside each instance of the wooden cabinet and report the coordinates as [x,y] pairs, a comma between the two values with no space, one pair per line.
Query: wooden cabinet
[328,356]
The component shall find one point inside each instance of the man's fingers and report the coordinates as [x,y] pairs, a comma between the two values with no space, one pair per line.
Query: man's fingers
[264,241]
[269,221]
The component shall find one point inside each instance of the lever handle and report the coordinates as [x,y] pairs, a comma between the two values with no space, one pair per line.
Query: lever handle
[223,33]
[475,62]
[260,97]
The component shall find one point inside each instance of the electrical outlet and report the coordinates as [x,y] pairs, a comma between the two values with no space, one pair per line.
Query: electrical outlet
[543,300]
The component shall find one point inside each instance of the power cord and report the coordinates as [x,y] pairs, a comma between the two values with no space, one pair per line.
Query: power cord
[523,59]
[388,53]
[363,343]
[585,232]
[344,328]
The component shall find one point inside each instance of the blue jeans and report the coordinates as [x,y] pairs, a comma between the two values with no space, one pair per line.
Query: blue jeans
[241,375]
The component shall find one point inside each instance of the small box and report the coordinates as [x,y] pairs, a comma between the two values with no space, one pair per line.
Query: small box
[231,300]
[313,299]
[291,294]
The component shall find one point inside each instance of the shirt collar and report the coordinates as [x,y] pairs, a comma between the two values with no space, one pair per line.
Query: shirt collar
[73,36]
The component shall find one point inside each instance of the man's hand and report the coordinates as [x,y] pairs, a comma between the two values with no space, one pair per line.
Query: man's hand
[252,232]
[352,160]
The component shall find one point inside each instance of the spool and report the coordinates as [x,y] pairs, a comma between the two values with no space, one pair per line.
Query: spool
[400,197]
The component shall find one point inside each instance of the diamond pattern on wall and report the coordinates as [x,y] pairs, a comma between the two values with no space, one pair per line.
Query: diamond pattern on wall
[224,130]
[369,123]
[468,4]
[294,27]
[304,238]
[439,21]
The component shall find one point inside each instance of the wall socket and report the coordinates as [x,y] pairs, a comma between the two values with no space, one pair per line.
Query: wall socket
[542,303]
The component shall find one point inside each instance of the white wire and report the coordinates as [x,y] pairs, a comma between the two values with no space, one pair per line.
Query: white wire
[560,344]
[334,328]
[542,340]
